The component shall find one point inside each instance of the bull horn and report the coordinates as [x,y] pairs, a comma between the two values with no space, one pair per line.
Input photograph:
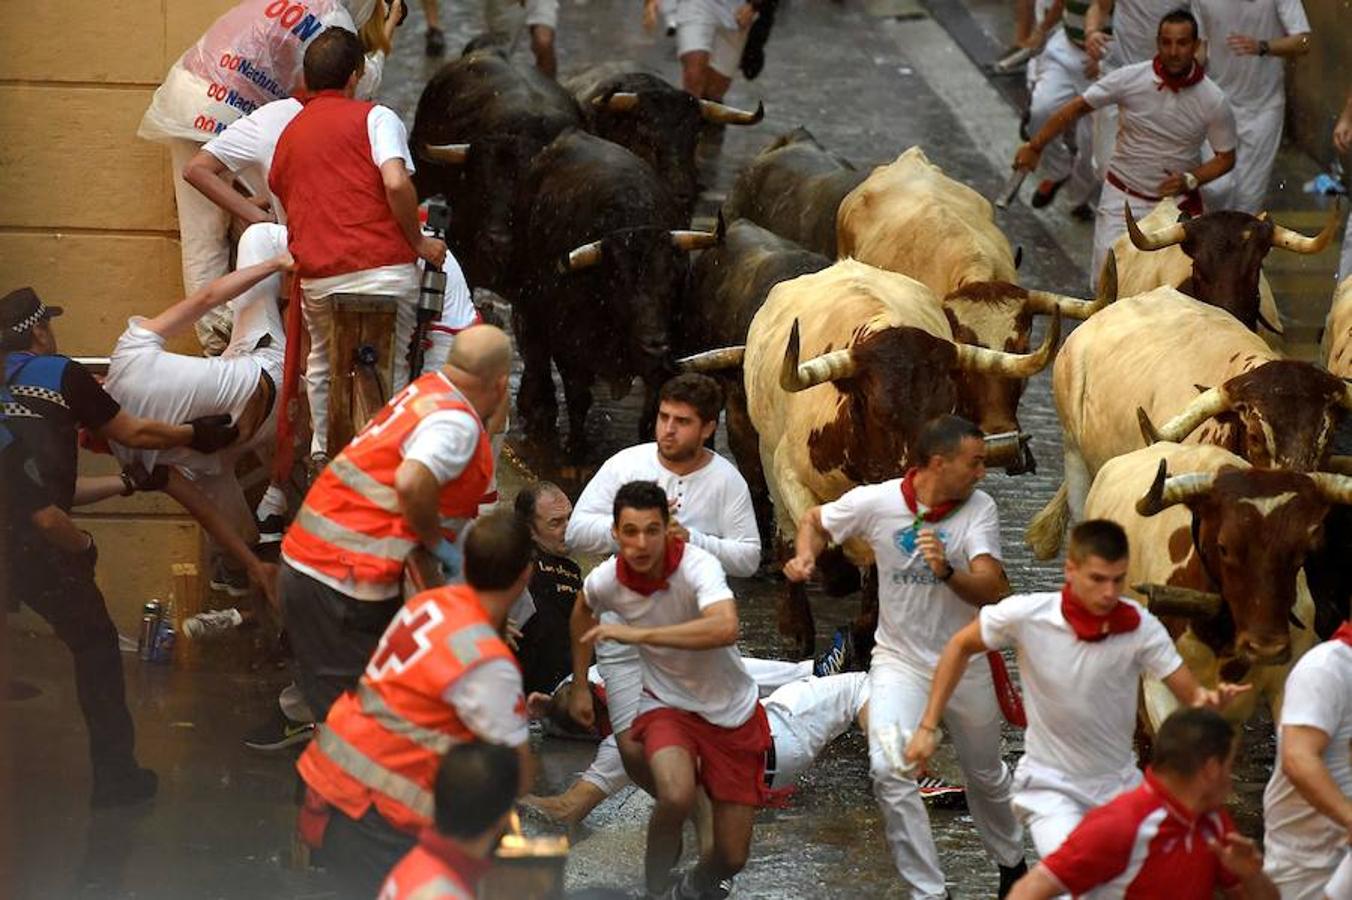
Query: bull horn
[1333,488]
[1172,600]
[730,115]
[1012,365]
[1299,243]
[620,101]
[1155,240]
[712,360]
[1167,491]
[585,256]
[1211,402]
[693,240]
[1073,307]
[447,154]
[794,377]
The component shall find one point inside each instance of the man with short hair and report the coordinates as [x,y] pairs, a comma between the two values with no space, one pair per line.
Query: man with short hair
[1307,806]
[341,169]
[475,788]
[544,651]
[936,539]
[1170,837]
[414,476]
[440,676]
[1168,107]
[47,398]
[699,721]
[1081,651]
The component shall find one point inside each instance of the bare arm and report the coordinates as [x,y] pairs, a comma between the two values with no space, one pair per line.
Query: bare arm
[418,490]
[1027,156]
[1097,17]
[1038,884]
[952,664]
[580,624]
[1288,46]
[716,626]
[58,529]
[200,508]
[1210,170]
[1184,686]
[1302,761]
[215,181]
[93,488]
[143,434]
[527,772]
[403,200]
[180,317]
[808,545]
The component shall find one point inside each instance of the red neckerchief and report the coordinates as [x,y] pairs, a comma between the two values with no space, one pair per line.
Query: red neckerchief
[934,513]
[1344,634]
[1092,628]
[470,868]
[642,584]
[1177,83]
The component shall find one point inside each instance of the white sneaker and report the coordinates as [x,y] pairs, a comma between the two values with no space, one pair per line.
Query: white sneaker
[213,624]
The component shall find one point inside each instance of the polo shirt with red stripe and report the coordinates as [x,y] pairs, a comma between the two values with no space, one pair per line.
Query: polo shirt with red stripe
[1143,844]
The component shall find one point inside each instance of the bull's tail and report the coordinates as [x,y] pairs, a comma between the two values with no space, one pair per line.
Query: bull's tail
[1045,531]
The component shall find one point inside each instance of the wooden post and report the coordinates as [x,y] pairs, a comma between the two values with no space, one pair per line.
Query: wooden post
[357,389]
[188,596]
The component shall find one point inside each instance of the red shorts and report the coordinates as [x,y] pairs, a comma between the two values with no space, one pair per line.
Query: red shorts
[731,761]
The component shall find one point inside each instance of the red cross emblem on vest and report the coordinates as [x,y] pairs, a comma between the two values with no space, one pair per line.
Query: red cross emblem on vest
[405,641]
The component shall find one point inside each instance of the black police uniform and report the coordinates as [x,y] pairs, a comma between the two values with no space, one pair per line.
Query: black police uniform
[46,399]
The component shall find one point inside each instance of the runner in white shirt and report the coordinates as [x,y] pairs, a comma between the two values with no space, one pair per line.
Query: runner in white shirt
[1340,886]
[805,712]
[1168,107]
[936,540]
[699,719]
[1081,651]
[1058,75]
[710,37]
[1307,806]
[1246,55]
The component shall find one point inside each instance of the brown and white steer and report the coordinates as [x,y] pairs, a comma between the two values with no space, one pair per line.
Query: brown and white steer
[842,368]
[1202,519]
[1217,258]
[1337,342]
[1199,374]
[909,217]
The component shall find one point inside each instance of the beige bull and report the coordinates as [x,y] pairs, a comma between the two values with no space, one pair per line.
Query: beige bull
[1234,538]
[1337,342]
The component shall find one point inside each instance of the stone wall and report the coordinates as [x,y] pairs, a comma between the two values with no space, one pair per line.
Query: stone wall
[88,218]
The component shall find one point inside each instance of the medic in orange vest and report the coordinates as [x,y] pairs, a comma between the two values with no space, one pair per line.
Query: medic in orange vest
[441,677]
[414,476]
[476,785]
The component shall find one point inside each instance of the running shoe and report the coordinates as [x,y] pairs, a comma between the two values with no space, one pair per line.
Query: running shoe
[229,580]
[436,42]
[279,733]
[1082,213]
[941,794]
[1008,876]
[271,529]
[1046,192]
[212,624]
[838,658]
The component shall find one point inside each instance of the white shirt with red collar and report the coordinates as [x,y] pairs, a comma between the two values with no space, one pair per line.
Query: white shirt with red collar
[1144,845]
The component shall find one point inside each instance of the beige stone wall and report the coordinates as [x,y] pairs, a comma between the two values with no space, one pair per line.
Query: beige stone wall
[88,217]
[1317,84]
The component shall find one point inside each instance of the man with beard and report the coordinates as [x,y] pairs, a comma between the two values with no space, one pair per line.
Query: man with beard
[1168,107]
[543,649]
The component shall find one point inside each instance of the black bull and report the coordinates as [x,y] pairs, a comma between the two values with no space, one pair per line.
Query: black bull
[794,187]
[602,265]
[480,122]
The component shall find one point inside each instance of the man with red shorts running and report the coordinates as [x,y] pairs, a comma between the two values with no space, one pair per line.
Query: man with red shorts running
[699,719]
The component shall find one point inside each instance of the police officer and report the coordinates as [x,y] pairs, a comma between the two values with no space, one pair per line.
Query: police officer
[46,398]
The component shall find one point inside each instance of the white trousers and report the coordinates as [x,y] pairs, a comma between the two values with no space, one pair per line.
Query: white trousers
[204,241]
[1245,187]
[808,714]
[972,720]
[1110,225]
[1051,804]
[1345,260]
[1297,879]
[1060,79]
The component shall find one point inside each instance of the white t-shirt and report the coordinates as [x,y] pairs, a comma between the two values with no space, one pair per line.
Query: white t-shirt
[1318,695]
[1080,696]
[1250,82]
[1135,26]
[488,701]
[444,442]
[918,612]
[153,383]
[711,683]
[713,503]
[1160,130]
[389,140]
[250,142]
[1340,887]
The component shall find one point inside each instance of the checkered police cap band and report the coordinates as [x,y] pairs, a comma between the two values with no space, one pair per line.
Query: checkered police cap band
[32,319]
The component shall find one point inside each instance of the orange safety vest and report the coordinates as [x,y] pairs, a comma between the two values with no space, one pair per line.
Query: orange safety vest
[382,743]
[435,870]
[350,525]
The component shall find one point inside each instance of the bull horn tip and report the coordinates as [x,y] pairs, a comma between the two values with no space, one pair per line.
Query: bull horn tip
[1153,501]
[1148,430]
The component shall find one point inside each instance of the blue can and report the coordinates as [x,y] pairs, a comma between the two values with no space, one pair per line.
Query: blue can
[163,649]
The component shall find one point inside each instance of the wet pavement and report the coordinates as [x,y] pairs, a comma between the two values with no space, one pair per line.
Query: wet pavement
[868,81]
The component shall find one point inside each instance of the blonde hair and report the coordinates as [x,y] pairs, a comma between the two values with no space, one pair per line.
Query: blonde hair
[372,33]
